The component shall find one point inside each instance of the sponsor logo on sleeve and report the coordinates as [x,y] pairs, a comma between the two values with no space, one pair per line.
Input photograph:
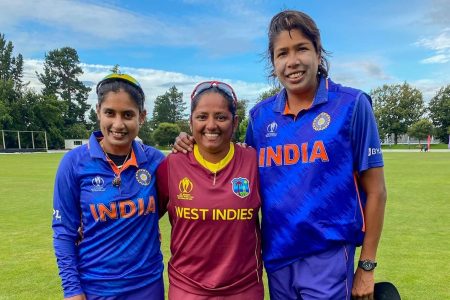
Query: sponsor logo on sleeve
[98,184]
[185,186]
[374,151]
[56,215]
[143,177]
[321,122]
[240,187]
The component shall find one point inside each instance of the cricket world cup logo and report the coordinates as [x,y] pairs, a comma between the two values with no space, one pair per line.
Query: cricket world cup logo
[185,186]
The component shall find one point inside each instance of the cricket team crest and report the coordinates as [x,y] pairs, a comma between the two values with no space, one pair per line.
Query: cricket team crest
[321,122]
[240,186]
[143,177]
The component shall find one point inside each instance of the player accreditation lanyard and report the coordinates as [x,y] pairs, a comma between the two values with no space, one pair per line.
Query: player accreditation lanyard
[116,168]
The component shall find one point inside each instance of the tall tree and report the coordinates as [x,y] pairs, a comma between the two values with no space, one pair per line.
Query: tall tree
[169,108]
[397,107]
[421,129]
[439,108]
[11,73]
[17,72]
[115,69]
[92,123]
[61,71]
[6,58]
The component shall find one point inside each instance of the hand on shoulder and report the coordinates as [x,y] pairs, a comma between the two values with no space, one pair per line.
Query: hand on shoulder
[183,143]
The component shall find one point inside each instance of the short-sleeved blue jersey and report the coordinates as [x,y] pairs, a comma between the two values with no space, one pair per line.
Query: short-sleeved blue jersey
[309,165]
[120,248]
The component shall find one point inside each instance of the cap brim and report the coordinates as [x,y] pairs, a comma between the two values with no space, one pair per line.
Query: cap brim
[386,291]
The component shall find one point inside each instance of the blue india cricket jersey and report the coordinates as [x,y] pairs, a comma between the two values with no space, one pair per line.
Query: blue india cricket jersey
[120,248]
[309,167]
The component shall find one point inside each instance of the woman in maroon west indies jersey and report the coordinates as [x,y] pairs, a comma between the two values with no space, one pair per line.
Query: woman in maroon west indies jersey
[320,169]
[105,213]
[212,197]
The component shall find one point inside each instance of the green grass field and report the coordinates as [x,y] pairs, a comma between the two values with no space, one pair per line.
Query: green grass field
[414,252]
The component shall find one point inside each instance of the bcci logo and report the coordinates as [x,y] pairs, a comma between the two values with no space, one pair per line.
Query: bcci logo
[143,177]
[321,121]
[241,187]
[97,184]
[185,186]
[272,129]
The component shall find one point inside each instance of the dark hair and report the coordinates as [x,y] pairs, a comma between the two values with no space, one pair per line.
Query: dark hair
[115,85]
[289,20]
[231,106]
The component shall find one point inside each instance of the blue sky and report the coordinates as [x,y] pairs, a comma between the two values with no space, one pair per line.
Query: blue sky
[165,43]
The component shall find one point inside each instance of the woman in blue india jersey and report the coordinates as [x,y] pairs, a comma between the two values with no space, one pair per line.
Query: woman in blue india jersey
[105,219]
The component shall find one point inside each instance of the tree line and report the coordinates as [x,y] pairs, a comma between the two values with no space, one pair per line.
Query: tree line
[61,107]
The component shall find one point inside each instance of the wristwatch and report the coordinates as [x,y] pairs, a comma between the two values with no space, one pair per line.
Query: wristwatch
[367,265]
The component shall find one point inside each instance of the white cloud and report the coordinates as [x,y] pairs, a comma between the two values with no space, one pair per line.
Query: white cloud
[437,59]
[364,73]
[85,25]
[440,44]
[430,86]
[154,82]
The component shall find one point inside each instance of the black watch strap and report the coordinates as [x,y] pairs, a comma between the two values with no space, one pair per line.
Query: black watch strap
[367,265]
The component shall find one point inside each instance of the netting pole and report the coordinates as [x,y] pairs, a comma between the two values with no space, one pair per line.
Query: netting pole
[45,135]
[18,138]
[3,137]
[32,138]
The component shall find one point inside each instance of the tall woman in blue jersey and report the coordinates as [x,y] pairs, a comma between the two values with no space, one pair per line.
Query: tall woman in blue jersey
[321,172]
[328,193]
[105,220]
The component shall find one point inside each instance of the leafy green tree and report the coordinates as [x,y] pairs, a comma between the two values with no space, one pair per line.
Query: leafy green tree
[165,133]
[397,107]
[183,125]
[269,93]
[169,108]
[439,108]
[17,72]
[48,117]
[7,97]
[11,86]
[146,133]
[241,113]
[421,129]
[115,69]
[6,58]
[242,129]
[76,131]
[60,77]
[92,123]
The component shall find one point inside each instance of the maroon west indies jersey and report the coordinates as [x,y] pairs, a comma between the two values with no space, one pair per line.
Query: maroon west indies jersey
[215,242]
